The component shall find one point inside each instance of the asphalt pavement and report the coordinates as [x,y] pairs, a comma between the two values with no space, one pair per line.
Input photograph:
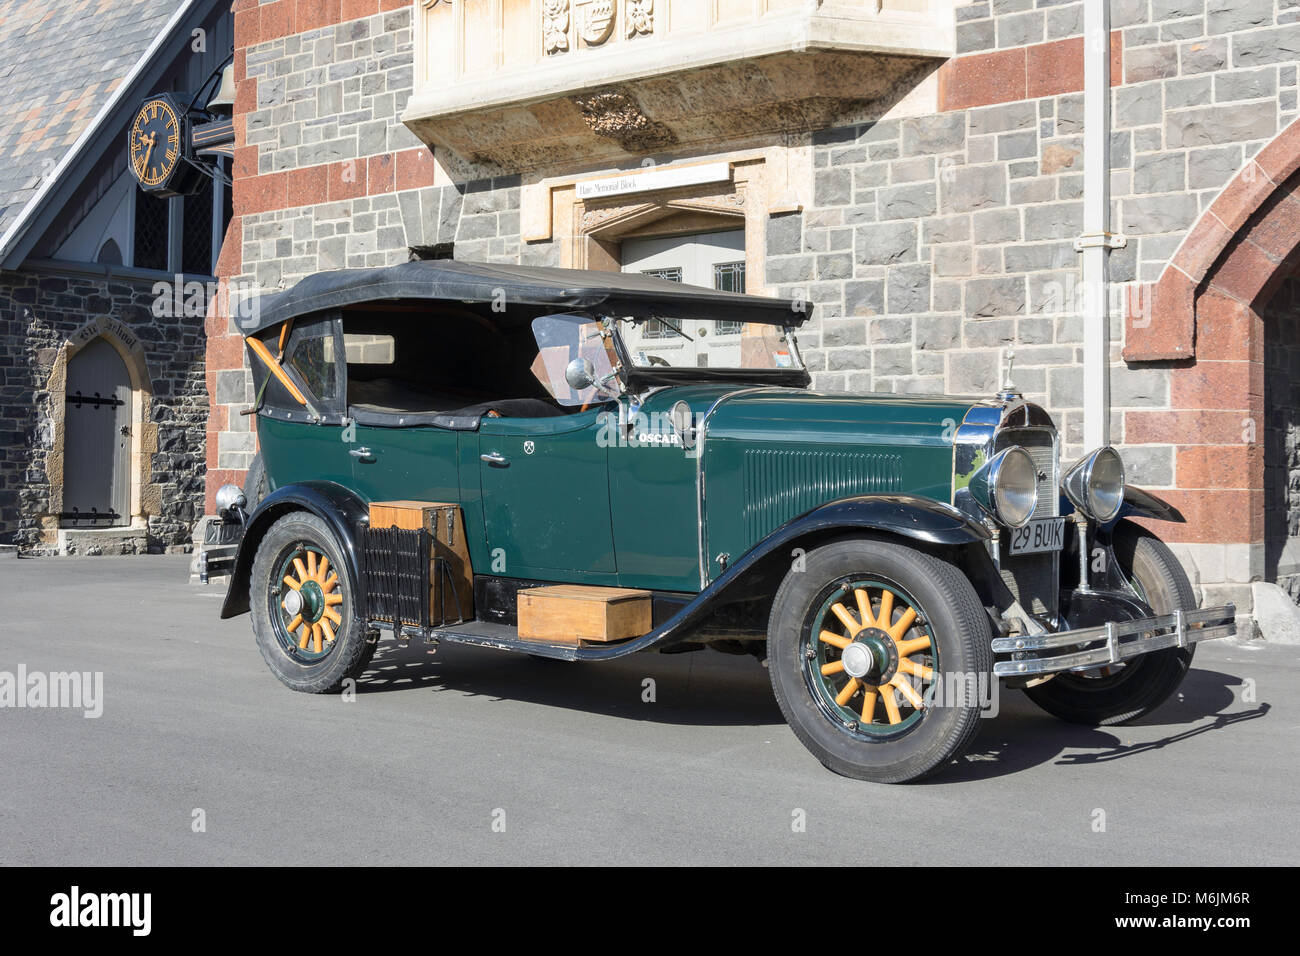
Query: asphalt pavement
[474,756]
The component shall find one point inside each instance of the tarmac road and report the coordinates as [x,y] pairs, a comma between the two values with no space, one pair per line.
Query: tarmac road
[474,756]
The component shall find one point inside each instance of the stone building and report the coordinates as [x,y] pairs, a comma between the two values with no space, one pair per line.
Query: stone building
[102,399]
[915,168]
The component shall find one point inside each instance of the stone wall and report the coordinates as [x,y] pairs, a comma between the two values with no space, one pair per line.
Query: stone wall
[936,243]
[38,314]
[931,245]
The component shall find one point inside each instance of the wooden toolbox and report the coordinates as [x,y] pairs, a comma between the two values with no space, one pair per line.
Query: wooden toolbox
[450,577]
[572,613]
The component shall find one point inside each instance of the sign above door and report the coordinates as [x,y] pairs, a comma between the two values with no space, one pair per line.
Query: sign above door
[651,178]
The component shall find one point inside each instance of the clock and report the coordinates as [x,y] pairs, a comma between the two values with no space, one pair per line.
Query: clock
[159,149]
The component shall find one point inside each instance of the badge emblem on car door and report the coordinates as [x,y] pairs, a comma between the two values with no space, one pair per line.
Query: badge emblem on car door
[529,448]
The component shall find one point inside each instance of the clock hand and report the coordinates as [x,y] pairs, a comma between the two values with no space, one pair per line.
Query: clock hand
[150,139]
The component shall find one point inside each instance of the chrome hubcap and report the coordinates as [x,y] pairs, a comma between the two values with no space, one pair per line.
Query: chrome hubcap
[857,660]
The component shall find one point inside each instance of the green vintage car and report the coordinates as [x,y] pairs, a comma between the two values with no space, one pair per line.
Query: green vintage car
[585,465]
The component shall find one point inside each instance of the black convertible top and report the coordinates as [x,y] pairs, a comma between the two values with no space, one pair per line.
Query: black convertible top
[447,280]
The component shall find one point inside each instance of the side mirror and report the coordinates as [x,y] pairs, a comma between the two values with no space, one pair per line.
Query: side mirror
[580,374]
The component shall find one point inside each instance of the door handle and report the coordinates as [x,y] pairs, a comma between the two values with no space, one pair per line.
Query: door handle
[496,458]
[360,453]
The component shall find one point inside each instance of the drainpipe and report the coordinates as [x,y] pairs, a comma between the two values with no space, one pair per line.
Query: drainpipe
[1097,241]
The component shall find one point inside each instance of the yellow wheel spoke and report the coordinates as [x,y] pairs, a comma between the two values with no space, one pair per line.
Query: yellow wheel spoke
[306,636]
[293,625]
[916,670]
[886,608]
[908,691]
[846,618]
[333,615]
[904,622]
[869,697]
[301,569]
[292,582]
[891,705]
[311,564]
[328,629]
[834,640]
[908,648]
[316,635]
[849,690]
[322,568]
[864,606]
[331,599]
[834,667]
[330,583]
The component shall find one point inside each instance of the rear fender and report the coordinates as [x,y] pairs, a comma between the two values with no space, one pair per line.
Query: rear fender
[341,509]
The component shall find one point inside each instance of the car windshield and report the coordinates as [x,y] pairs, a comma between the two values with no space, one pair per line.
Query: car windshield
[707,343]
[575,359]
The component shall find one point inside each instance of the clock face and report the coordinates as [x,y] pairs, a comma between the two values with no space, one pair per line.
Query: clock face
[156,144]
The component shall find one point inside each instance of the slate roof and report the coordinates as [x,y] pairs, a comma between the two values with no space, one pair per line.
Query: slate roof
[59,62]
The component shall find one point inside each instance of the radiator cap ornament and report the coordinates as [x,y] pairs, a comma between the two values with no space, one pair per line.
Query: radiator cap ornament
[1009,391]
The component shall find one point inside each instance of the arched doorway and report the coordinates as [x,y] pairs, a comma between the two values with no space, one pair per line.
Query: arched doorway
[1223,319]
[97,439]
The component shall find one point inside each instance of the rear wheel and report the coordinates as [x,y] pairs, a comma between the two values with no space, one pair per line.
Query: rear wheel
[1114,695]
[304,607]
[866,645]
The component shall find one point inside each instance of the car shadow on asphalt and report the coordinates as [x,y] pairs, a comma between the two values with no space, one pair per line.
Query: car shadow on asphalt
[702,687]
[706,688]
[1022,736]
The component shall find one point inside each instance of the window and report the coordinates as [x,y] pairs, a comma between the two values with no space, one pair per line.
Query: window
[656,330]
[313,360]
[152,223]
[729,277]
[196,244]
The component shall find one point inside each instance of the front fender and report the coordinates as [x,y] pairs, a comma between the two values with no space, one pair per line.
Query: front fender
[908,516]
[338,507]
[1139,503]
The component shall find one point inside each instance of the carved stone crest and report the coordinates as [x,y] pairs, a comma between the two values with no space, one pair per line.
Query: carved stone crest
[595,20]
[616,114]
[555,26]
[640,17]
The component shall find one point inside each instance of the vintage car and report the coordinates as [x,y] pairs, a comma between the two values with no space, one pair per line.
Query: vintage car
[586,465]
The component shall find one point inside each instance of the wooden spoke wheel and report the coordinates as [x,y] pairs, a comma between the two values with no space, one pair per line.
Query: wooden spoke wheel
[871,658]
[310,603]
[865,642]
[302,596]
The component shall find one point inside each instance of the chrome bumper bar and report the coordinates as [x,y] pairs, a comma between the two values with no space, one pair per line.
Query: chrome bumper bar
[1110,643]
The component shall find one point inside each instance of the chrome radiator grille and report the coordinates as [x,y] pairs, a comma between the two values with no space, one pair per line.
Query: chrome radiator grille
[1034,579]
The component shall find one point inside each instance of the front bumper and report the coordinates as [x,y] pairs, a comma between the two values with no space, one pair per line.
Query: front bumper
[1111,643]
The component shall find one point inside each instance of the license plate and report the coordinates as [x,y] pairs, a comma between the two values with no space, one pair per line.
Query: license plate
[1046,534]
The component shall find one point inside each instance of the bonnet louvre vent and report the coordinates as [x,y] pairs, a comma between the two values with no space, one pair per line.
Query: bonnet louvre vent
[780,485]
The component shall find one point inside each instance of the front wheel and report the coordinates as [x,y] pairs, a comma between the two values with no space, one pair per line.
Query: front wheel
[1114,695]
[880,659]
[304,607]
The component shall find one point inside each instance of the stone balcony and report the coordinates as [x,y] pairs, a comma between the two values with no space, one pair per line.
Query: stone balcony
[525,84]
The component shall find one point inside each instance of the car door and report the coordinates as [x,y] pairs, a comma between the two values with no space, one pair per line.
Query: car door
[404,464]
[545,487]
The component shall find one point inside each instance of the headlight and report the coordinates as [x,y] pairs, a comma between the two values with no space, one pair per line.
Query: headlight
[230,496]
[1007,486]
[1095,484]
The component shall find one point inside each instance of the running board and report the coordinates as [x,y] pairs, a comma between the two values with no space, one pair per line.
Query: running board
[501,637]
